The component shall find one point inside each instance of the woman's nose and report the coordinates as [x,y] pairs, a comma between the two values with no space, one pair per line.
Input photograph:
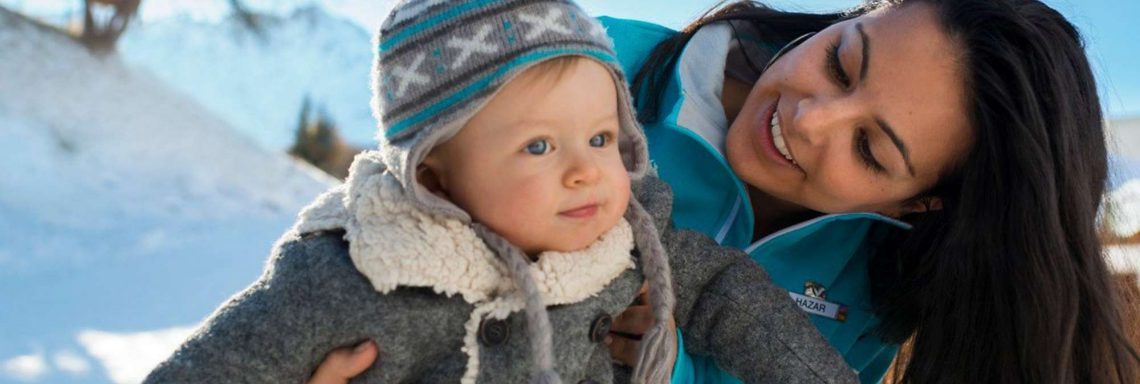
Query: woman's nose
[816,118]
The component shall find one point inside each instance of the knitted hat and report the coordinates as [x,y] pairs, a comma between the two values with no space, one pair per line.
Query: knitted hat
[438,62]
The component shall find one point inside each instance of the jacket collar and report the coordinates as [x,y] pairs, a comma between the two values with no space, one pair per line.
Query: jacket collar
[700,77]
[394,244]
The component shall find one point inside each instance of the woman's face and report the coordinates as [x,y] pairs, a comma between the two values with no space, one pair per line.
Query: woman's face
[863,116]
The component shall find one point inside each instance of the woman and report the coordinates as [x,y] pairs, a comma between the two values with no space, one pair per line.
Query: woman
[926,170]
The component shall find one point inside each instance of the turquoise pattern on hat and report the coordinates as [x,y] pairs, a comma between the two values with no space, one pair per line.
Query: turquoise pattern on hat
[530,58]
[433,21]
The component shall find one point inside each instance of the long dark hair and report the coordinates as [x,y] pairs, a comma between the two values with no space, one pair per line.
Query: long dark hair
[1007,282]
[775,27]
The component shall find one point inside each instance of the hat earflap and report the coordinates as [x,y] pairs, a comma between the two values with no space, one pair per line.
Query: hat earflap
[658,344]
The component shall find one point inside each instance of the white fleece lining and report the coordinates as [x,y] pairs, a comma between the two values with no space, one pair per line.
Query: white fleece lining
[394,244]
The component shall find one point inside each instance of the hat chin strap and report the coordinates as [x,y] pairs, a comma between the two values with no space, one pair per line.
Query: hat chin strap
[537,320]
[658,344]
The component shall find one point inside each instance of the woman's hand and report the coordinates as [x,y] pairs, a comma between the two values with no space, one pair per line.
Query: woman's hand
[342,364]
[624,340]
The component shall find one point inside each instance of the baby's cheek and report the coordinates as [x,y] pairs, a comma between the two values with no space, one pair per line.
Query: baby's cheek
[619,182]
[618,201]
[524,205]
[531,213]
[623,184]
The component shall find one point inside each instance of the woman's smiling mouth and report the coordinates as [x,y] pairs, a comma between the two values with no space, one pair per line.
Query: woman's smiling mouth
[771,138]
[778,138]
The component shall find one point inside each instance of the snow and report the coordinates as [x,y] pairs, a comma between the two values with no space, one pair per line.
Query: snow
[1124,259]
[120,353]
[257,82]
[1124,203]
[128,211]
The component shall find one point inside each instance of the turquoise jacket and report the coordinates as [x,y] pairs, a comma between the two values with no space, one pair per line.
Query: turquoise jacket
[830,252]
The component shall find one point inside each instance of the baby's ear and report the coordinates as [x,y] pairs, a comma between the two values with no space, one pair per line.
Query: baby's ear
[428,177]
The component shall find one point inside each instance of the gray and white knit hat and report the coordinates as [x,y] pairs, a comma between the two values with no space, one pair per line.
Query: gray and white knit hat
[439,61]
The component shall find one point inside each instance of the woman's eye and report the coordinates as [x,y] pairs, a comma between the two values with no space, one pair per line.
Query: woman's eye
[538,147]
[835,68]
[599,140]
[863,148]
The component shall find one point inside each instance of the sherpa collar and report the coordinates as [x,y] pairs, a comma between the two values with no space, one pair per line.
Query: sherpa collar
[394,244]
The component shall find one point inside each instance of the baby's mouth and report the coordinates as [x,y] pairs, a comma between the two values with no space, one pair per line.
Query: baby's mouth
[582,211]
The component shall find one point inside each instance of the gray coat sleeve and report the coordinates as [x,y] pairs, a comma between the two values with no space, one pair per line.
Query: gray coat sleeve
[268,333]
[730,310]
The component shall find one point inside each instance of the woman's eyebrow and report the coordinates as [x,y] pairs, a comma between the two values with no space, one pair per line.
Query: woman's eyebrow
[866,50]
[882,123]
[898,144]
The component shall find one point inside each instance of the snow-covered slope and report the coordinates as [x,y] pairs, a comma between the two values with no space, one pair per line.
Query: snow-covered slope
[257,81]
[128,211]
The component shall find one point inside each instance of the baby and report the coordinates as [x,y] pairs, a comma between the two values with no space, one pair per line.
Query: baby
[502,185]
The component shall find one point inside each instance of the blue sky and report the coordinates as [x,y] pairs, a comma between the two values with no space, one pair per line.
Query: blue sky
[1111,32]
[1108,26]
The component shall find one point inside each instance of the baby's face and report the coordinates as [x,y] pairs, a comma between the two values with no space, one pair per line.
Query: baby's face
[539,164]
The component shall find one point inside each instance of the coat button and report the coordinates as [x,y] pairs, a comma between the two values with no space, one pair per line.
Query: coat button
[600,328]
[493,332]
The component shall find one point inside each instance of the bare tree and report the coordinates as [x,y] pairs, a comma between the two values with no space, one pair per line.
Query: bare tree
[101,35]
[319,143]
[248,18]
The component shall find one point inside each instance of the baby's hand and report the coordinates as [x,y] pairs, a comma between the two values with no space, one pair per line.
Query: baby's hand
[342,364]
[624,340]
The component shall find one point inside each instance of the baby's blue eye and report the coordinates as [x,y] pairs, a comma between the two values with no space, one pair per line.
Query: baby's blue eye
[598,140]
[538,147]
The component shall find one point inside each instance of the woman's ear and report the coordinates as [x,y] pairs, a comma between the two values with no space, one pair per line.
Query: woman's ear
[428,174]
[920,205]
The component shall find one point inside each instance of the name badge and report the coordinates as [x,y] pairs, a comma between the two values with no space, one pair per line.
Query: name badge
[820,307]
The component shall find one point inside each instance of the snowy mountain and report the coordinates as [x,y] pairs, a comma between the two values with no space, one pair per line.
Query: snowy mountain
[257,80]
[128,211]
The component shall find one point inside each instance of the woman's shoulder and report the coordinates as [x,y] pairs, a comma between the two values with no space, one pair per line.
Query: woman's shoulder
[614,24]
[634,40]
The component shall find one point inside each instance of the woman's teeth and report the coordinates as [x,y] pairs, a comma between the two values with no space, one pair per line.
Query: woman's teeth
[778,139]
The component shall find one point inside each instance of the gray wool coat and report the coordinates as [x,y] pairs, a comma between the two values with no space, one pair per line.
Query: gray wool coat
[313,298]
